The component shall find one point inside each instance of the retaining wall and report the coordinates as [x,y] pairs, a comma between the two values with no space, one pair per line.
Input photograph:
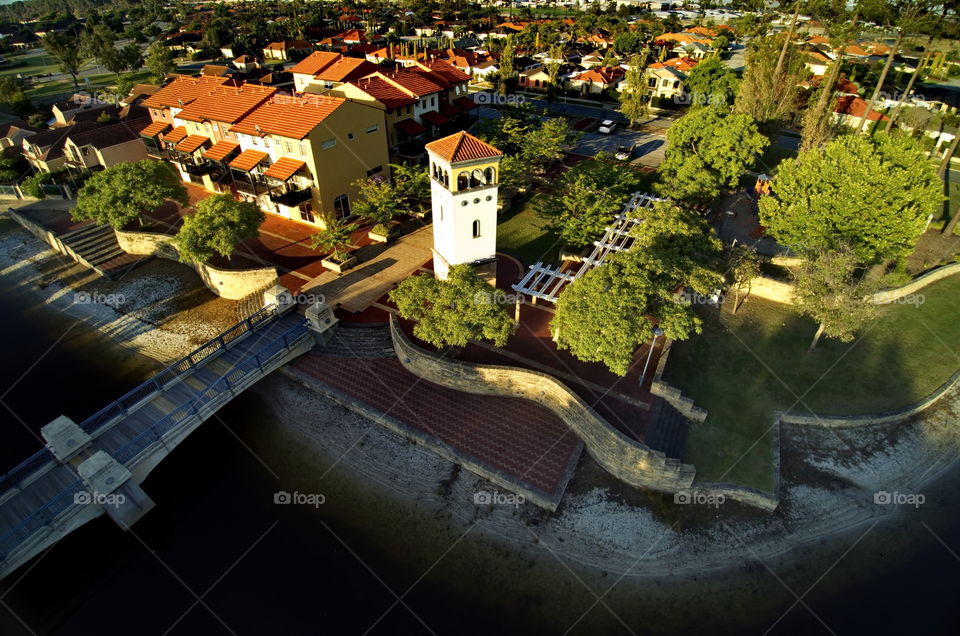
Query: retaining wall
[672,394]
[624,458]
[226,283]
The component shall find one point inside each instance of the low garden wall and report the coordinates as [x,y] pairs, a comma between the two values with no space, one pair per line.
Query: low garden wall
[672,394]
[624,458]
[226,283]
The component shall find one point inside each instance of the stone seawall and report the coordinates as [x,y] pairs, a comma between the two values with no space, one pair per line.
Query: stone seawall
[626,459]
[229,284]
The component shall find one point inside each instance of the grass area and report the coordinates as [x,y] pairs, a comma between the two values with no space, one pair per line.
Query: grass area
[745,367]
[29,65]
[521,233]
[772,157]
[33,65]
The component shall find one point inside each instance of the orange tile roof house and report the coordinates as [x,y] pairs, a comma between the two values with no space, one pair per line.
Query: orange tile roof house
[596,80]
[285,50]
[327,70]
[849,111]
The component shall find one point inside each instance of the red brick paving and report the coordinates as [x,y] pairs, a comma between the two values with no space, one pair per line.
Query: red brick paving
[515,436]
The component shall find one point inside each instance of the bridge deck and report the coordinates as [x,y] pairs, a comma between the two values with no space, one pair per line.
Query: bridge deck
[39,490]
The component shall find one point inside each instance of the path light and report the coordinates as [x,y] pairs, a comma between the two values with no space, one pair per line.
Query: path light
[657,332]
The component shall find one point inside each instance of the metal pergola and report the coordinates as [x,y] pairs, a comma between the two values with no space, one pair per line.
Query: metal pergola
[546,282]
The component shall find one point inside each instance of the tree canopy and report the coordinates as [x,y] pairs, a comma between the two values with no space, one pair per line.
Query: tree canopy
[219,224]
[119,194]
[708,149]
[871,193]
[711,82]
[455,311]
[769,96]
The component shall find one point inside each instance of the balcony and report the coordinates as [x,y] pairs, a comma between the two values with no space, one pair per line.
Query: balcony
[255,188]
[197,170]
[293,198]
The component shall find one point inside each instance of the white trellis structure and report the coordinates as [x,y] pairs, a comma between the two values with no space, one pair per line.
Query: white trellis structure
[546,282]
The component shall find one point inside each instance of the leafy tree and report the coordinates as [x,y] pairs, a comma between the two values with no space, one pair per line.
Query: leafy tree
[335,239]
[455,311]
[544,144]
[635,98]
[818,125]
[12,169]
[770,91]
[586,199]
[33,185]
[827,289]
[711,82]
[98,44]
[412,184]
[379,201]
[741,266]
[159,61]
[219,224]
[708,149]
[13,97]
[122,193]
[602,317]
[873,194]
[68,53]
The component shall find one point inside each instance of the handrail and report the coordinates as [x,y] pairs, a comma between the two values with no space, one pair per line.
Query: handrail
[157,382]
[19,472]
[129,451]
[45,515]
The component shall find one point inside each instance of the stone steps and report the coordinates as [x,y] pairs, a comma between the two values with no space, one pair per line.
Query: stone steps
[667,430]
[366,342]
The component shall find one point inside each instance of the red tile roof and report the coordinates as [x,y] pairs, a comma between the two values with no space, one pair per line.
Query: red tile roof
[284,168]
[192,143]
[247,159]
[384,92]
[465,103]
[462,146]
[176,135]
[154,129]
[292,117]
[221,150]
[435,118]
[449,72]
[314,62]
[346,69]
[856,107]
[226,104]
[410,127]
[183,90]
[449,110]
[417,83]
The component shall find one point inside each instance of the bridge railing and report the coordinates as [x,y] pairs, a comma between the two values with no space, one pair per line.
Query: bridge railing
[41,517]
[129,451]
[25,468]
[183,365]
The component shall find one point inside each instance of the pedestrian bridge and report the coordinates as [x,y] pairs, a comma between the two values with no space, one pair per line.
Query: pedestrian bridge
[95,467]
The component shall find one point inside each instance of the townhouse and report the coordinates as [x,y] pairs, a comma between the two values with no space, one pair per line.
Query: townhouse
[666,79]
[596,80]
[286,50]
[322,69]
[295,156]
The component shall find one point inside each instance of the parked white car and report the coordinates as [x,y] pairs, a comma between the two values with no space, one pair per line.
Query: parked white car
[607,126]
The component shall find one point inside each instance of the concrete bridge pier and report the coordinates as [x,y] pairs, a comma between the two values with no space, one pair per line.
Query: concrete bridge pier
[65,439]
[111,486]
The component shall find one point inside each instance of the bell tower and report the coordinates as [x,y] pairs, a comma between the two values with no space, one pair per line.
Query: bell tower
[464,173]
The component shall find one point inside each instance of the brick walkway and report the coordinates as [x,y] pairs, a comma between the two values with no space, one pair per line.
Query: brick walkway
[521,441]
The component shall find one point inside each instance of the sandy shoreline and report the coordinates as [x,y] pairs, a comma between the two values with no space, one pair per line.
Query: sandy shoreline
[419,504]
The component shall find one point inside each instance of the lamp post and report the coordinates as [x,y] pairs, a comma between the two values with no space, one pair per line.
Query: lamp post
[657,332]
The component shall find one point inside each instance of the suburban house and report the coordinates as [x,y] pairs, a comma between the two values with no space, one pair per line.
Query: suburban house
[596,80]
[246,63]
[322,69]
[13,134]
[296,156]
[286,50]
[666,79]
[849,111]
[421,102]
[100,147]
[535,79]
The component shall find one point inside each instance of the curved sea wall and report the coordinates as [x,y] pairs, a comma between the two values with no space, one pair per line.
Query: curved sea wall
[226,283]
[624,458]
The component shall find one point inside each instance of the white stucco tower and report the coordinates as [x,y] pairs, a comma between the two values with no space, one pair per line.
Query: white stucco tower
[464,173]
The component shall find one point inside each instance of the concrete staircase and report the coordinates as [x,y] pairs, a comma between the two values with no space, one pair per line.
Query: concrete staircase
[366,341]
[96,247]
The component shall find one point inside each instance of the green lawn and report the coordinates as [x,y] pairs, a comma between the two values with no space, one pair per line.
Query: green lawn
[523,234]
[744,367]
[27,66]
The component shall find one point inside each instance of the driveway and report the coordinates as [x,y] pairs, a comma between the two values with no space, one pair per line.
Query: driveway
[648,147]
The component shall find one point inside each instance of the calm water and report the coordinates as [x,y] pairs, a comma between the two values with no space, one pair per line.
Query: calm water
[266,569]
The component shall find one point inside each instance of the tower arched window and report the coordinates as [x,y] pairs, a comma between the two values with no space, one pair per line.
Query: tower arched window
[476,178]
[489,176]
[476,228]
[463,181]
